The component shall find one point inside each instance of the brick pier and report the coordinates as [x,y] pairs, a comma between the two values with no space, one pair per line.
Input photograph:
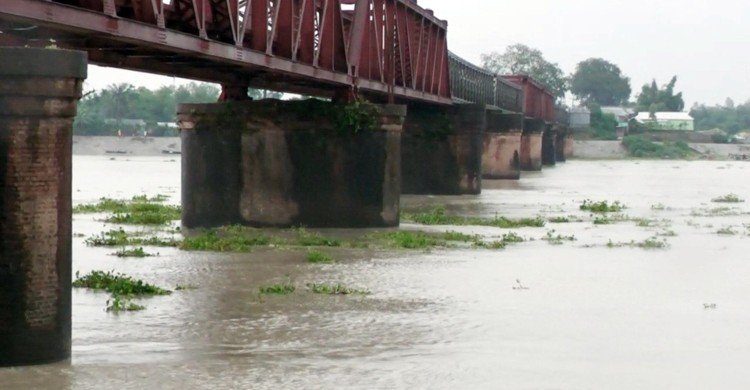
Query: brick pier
[39,89]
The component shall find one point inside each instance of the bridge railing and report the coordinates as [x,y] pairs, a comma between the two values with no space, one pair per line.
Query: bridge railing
[473,84]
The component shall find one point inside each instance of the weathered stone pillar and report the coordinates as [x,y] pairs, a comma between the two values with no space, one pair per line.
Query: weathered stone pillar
[562,138]
[39,89]
[549,146]
[501,155]
[289,163]
[442,150]
[531,145]
[568,146]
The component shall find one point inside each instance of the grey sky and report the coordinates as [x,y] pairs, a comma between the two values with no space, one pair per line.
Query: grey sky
[705,43]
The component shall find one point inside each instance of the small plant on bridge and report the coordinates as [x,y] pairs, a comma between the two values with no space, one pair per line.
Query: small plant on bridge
[335,289]
[602,206]
[729,198]
[356,117]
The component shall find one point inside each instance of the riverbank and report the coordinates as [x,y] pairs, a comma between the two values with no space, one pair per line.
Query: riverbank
[126,146]
[614,150]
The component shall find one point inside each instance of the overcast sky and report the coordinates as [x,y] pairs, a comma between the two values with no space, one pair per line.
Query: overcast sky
[704,42]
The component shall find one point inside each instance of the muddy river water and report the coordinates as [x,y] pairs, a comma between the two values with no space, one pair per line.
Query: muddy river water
[590,316]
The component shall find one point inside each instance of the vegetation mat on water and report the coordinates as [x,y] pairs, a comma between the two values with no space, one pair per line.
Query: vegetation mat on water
[133,252]
[335,289]
[120,237]
[649,243]
[277,289]
[117,284]
[140,210]
[318,258]
[729,198]
[602,206]
[439,216]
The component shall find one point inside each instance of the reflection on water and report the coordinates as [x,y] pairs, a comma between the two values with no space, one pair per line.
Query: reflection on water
[593,317]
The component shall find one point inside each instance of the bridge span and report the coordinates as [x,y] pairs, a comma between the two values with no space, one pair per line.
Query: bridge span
[403,115]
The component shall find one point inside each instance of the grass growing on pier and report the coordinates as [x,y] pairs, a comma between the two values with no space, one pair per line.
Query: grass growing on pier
[602,206]
[316,257]
[133,252]
[439,216]
[729,198]
[117,284]
[335,289]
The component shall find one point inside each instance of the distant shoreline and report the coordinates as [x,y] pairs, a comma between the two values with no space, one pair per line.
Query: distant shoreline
[166,146]
[125,146]
[614,150]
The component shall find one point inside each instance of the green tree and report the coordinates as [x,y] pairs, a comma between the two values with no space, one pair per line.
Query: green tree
[731,117]
[521,59]
[597,81]
[604,126]
[653,99]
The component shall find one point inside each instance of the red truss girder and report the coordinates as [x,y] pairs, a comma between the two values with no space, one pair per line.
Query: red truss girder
[388,46]
[397,43]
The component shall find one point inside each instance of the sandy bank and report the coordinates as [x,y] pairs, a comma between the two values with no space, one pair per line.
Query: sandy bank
[129,146]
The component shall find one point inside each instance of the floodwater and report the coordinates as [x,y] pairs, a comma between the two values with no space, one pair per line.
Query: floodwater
[592,317]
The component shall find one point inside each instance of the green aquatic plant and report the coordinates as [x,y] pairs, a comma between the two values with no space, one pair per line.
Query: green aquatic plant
[602,206]
[133,252]
[120,237]
[277,289]
[318,258]
[439,216]
[649,243]
[118,303]
[213,242]
[307,238]
[557,239]
[729,198]
[117,284]
[335,289]
[140,210]
[726,231]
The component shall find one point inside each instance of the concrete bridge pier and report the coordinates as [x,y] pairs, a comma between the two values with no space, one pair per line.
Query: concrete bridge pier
[501,154]
[531,144]
[290,163]
[549,145]
[39,90]
[441,150]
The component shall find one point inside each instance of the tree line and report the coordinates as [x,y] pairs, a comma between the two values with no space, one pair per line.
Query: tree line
[129,110]
[597,82]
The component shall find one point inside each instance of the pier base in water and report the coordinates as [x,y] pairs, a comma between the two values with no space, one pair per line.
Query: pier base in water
[290,163]
[442,150]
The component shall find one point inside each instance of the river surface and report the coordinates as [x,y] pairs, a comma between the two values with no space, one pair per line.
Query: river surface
[591,317]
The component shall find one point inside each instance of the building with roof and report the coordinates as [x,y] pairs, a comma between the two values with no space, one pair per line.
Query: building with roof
[673,121]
